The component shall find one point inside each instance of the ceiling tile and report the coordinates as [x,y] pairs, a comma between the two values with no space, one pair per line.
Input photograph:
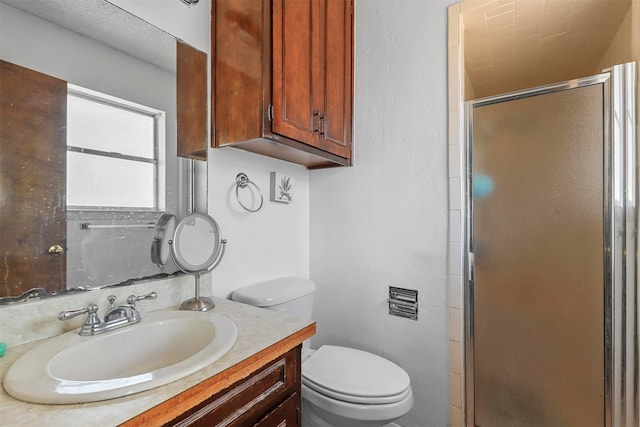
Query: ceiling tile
[550,30]
[525,43]
[525,7]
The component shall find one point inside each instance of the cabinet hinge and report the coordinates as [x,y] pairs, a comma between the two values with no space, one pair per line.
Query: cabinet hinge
[270,112]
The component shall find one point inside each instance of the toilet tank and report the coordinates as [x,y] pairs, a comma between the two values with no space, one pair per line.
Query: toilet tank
[291,295]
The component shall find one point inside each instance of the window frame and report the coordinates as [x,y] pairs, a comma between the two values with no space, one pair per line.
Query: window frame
[159,143]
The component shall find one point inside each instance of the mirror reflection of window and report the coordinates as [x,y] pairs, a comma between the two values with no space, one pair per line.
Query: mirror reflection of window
[112,153]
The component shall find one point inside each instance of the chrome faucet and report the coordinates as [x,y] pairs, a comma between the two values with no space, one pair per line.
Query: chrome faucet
[116,317]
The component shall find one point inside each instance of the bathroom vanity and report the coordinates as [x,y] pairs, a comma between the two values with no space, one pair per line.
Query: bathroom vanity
[256,383]
[269,396]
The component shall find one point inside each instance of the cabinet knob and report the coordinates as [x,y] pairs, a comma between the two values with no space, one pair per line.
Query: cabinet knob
[55,250]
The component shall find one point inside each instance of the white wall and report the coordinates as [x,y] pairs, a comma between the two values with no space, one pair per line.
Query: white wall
[187,23]
[37,44]
[270,243]
[384,221]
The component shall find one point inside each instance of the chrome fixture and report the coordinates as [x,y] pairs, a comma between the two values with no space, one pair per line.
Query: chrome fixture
[116,317]
[197,231]
[89,226]
[190,2]
[242,181]
[403,302]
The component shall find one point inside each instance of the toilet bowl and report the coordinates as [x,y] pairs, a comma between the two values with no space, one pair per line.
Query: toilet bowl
[341,386]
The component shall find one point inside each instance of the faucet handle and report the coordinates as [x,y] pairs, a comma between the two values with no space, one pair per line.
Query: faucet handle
[91,309]
[132,299]
[112,300]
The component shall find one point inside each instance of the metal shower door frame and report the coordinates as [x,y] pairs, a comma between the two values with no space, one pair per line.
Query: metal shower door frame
[621,394]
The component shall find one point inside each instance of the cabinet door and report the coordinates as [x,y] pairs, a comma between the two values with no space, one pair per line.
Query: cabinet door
[295,66]
[337,78]
[312,73]
[191,80]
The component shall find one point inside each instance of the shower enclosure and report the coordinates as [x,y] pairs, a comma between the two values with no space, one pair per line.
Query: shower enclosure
[551,319]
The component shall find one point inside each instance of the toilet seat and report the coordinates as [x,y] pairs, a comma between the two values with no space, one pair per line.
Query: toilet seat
[355,376]
[330,408]
[364,400]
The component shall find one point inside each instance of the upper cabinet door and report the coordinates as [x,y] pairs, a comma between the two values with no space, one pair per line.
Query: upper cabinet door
[191,80]
[294,69]
[282,79]
[338,77]
[312,73]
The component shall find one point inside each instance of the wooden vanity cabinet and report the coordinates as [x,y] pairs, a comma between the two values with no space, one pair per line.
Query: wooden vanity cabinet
[268,397]
[282,79]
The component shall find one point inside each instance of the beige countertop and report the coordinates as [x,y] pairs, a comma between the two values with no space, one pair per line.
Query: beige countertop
[262,336]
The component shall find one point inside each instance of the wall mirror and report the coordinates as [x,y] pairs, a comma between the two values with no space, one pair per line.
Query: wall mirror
[110,171]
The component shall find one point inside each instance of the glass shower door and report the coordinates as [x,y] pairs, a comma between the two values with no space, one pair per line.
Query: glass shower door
[537,237]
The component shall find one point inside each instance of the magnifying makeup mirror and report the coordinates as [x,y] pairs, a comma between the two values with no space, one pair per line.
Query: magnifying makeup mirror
[161,247]
[195,246]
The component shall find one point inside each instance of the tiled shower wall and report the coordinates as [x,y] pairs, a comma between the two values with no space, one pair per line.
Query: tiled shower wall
[456,183]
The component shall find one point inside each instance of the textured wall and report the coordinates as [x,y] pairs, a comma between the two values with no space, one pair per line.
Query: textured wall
[270,243]
[187,23]
[384,221]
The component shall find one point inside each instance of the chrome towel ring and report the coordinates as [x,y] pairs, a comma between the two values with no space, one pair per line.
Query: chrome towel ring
[242,181]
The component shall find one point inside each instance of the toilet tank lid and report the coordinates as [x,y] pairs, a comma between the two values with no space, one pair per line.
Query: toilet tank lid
[274,292]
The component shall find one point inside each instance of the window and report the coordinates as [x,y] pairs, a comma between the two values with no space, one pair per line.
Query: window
[112,152]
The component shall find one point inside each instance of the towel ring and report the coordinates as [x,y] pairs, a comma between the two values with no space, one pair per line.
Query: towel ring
[242,181]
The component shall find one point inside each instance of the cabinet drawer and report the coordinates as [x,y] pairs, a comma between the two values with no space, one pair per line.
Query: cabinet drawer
[287,414]
[248,400]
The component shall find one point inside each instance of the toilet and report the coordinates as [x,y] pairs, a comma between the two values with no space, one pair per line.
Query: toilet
[341,386]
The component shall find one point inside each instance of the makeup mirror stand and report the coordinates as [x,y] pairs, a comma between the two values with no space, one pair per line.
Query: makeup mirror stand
[198,303]
[195,246]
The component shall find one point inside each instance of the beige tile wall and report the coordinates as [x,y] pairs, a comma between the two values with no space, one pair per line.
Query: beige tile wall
[620,50]
[457,77]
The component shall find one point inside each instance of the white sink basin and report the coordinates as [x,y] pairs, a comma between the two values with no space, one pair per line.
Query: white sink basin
[165,346]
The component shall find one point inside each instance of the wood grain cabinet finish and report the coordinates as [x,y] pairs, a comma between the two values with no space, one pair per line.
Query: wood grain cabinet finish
[287,414]
[282,78]
[33,169]
[191,82]
[268,397]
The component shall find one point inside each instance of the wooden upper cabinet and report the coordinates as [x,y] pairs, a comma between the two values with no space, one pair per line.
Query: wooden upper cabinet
[338,77]
[296,70]
[282,78]
[191,83]
[312,73]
